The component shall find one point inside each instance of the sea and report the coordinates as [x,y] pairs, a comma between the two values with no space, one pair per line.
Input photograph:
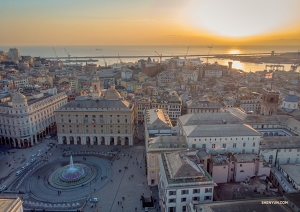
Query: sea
[143,51]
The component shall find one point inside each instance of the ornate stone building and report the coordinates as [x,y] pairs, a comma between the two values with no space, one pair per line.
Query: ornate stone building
[26,119]
[99,119]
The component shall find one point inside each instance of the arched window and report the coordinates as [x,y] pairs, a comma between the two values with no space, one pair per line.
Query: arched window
[271,159]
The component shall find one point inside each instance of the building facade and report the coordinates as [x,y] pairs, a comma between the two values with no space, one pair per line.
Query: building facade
[94,120]
[181,180]
[26,119]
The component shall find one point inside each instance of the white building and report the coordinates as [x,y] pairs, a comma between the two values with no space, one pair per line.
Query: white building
[28,118]
[290,102]
[14,54]
[20,82]
[126,73]
[237,138]
[280,149]
[183,179]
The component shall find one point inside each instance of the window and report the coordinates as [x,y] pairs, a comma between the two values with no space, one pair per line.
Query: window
[234,145]
[213,146]
[193,145]
[271,159]
[243,151]
[204,146]
[208,190]
[224,145]
[296,161]
[172,200]
[241,165]
[244,144]
[184,191]
[172,193]
[172,209]
[288,161]
[196,191]
[253,144]
[184,208]
[290,150]
[207,198]
[196,198]
[183,199]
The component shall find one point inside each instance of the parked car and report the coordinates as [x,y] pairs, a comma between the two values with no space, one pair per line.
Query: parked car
[2,188]
[48,136]
[32,160]
[48,147]
[39,154]
[19,172]
[33,156]
[95,200]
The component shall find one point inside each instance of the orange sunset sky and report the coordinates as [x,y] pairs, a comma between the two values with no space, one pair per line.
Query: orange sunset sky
[149,22]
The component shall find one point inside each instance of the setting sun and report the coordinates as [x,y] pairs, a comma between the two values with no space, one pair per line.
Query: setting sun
[241,19]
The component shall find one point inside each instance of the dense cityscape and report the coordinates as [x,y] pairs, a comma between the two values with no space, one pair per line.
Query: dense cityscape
[174,134]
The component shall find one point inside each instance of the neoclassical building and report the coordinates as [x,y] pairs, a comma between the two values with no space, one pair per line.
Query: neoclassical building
[97,119]
[29,117]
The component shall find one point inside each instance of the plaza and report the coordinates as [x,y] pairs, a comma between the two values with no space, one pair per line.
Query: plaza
[119,182]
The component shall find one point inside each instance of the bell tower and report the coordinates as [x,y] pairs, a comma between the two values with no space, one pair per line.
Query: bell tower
[269,102]
[96,88]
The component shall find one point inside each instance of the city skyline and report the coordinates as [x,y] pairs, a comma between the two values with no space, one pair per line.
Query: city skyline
[150,23]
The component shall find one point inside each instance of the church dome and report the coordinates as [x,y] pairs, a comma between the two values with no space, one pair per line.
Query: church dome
[19,98]
[112,93]
[291,97]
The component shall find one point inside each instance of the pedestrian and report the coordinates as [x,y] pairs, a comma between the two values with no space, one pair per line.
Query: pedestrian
[111,181]
[133,162]
[118,202]
[122,206]
[135,208]
[129,178]
[123,198]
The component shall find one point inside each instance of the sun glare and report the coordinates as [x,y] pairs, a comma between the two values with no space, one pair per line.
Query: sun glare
[234,51]
[240,19]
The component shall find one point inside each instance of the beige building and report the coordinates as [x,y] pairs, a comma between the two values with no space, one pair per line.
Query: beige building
[171,102]
[142,105]
[29,117]
[11,204]
[97,119]
[154,147]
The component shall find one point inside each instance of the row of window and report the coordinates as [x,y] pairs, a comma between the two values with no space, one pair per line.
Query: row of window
[195,191]
[223,146]
[221,139]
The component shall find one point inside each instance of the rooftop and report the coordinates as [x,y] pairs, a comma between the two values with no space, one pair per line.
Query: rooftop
[181,169]
[224,130]
[85,102]
[250,205]
[209,119]
[283,142]
[8,203]
[161,143]
[293,170]
[158,118]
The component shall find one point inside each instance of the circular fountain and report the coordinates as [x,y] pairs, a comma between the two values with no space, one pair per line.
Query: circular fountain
[73,175]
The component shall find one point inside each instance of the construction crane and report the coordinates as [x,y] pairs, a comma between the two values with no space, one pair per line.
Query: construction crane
[160,56]
[55,54]
[186,52]
[104,61]
[67,54]
[210,47]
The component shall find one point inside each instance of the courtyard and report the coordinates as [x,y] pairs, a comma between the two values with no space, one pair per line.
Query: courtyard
[119,183]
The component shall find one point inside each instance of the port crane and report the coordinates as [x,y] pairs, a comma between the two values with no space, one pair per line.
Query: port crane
[210,47]
[55,54]
[104,61]
[67,54]
[160,56]
[186,52]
